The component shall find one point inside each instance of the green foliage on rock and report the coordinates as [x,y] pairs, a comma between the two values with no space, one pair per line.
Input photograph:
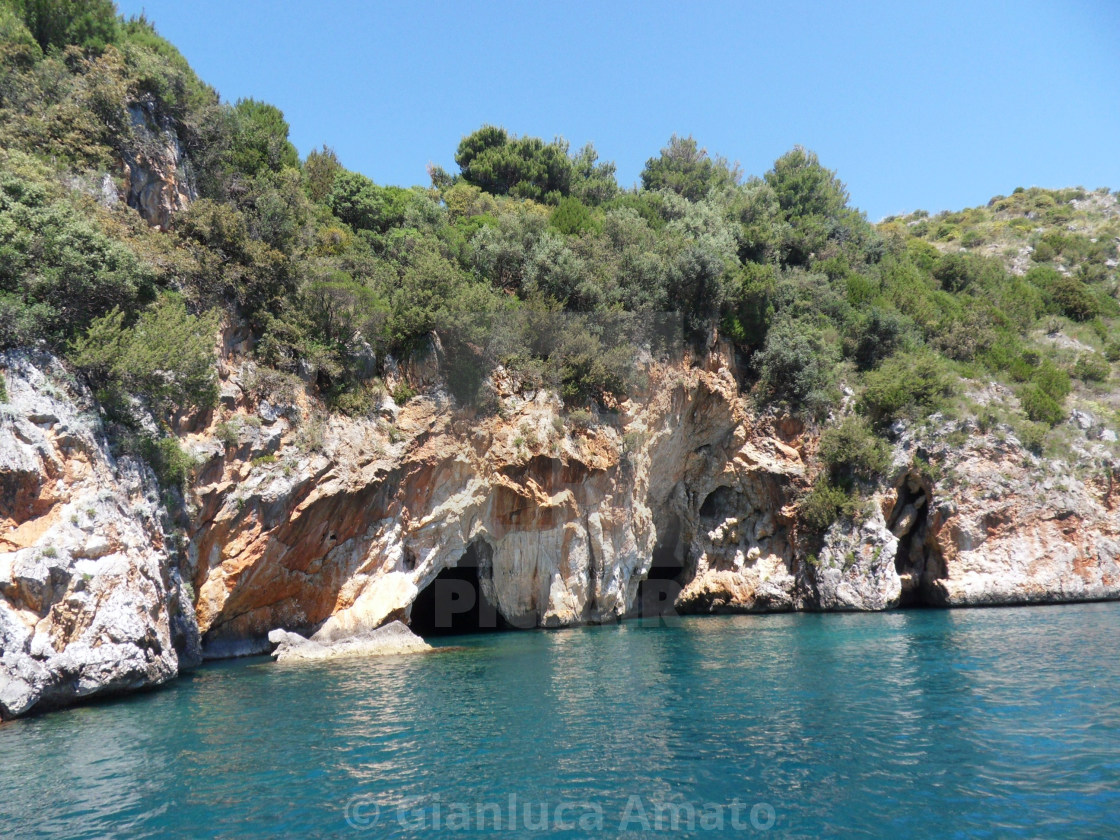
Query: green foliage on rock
[59,268]
[167,355]
[530,257]
[904,384]
[851,452]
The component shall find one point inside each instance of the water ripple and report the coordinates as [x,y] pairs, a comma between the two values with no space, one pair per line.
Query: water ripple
[923,724]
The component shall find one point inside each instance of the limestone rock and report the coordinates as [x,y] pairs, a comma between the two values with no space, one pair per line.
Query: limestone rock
[855,569]
[391,640]
[156,180]
[89,602]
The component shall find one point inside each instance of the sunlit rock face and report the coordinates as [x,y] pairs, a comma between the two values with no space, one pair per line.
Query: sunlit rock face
[680,499]
[90,601]
[157,183]
[568,517]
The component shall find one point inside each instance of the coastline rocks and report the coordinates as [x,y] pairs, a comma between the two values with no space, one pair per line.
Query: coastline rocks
[855,569]
[301,523]
[89,603]
[1009,527]
[560,521]
[393,639]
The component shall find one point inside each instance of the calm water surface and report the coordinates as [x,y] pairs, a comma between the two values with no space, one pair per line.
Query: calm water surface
[922,724]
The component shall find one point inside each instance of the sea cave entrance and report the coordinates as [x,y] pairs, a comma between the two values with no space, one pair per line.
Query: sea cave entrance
[455,602]
[917,561]
[657,593]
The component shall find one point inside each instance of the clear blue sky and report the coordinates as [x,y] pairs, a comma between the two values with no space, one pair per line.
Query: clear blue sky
[916,104]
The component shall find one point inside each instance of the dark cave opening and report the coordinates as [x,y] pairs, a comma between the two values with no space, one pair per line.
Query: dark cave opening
[657,593]
[454,602]
[916,561]
[719,504]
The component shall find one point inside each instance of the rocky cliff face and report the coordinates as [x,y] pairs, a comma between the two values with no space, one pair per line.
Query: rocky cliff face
[685,499]
[562,521]
[89,600]
[157,183]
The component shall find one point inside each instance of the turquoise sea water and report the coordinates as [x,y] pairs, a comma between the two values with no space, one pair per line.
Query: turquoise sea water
[919,724]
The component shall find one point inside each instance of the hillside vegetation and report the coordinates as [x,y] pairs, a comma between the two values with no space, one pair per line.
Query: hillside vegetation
[530,255]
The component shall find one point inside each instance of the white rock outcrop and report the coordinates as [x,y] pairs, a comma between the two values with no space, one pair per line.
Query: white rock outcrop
[89,602]
[393,639]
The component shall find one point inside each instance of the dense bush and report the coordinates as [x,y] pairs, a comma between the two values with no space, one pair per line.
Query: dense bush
[91,24]
[795,367]
[824,504]
[851,452]
[525,167]
[1040,406]
[58,268]
[1065,294]
[687,170]
[1092,367]
[903,384]
[167,355]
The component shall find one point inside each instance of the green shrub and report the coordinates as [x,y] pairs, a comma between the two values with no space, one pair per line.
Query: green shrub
[876,335]
[687,170]
[1040,406]
[364,205]
[403,393]
[167,355]
[353,400]
[795,367]
[525,167]
[573,217]
[1032,436]
[824,504]
[92,24]
[1092,367]
[851,452]
[956,272]
[171,464]
[972,238]
[260,140]
[1112,350]
[1043,252]
[59,270]
[904,384]
[1051,379]
[1065,294]
[229,432]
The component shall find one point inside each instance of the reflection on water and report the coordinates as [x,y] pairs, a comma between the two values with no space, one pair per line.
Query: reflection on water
[999,723]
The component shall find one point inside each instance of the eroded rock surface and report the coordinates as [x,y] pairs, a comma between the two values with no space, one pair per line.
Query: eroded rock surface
[569,517]
[392,639]
[681,499]
[89,602]
[157,182]
[1017,528]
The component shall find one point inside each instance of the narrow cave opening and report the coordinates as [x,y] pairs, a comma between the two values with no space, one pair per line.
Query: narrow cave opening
[657,593]
[719,504]
[915,561]
[454,602]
